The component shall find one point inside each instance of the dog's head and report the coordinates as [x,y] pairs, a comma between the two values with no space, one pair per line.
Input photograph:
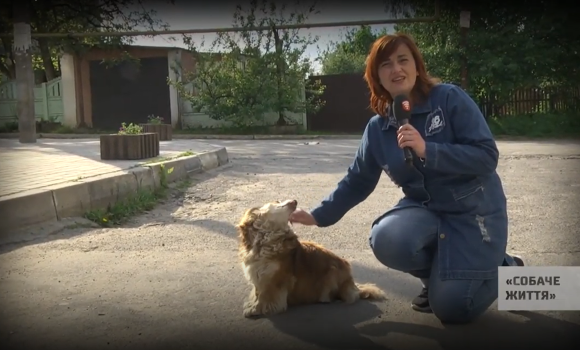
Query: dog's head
[272,219]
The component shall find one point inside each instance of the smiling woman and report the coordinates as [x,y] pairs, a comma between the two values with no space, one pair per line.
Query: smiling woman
[450,229]
[401,70]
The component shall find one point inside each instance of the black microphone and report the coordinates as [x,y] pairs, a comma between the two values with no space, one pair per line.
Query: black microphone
[402,112]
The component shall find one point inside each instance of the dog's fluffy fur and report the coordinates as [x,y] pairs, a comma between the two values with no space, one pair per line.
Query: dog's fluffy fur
[284,271]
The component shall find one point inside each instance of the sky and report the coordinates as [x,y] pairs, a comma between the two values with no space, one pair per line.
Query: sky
[201,14]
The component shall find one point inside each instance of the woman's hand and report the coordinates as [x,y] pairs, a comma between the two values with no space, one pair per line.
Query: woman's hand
[302,217]
[408,136]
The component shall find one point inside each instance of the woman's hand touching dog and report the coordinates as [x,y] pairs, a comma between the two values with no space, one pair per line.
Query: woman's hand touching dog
[302,217]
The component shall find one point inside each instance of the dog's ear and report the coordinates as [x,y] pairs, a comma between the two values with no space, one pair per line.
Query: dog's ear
[245,227]
[249,217]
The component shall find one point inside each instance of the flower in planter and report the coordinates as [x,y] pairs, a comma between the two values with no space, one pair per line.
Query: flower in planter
[131,129]
[155,120]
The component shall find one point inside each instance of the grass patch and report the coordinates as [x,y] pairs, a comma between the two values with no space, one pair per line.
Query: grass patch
[143,200]
[544,125]
[9,127]
[63,129]
[116,214]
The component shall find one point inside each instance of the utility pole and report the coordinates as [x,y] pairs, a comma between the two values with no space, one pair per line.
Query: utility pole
[464,21]
[24,71]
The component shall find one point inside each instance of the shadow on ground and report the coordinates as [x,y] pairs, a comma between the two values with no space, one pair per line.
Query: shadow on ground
[323,326]
[331,326]
[493,330]
[335,330]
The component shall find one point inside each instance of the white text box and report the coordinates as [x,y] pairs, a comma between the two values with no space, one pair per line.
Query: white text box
[541,288]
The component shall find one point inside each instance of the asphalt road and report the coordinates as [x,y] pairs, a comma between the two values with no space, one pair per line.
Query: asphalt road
[170,278]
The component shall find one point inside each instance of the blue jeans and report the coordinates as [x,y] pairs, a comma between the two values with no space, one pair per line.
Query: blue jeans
[405,240]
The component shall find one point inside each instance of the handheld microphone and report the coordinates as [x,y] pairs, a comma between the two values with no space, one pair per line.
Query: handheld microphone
[402,112]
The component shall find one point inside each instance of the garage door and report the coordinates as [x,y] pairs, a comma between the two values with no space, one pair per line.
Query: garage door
[129,92]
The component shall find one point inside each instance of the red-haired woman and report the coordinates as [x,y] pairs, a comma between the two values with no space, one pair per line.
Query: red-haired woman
[450,229]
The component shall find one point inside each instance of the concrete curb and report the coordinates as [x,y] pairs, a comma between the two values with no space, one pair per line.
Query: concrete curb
[199,137]
[72,199]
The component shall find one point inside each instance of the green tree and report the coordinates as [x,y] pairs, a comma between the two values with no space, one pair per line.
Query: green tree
[247,74]
[509,45]
[235,86]
[76,16]
[349,55]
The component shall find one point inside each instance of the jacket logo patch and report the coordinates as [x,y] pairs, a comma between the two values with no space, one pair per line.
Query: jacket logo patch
[435,122]
[393,122]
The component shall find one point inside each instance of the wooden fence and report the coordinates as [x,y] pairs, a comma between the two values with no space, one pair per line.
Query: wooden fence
[532,100]
[47,101]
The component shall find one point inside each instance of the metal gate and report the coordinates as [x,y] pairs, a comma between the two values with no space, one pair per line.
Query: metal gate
[129,92]
[347,104]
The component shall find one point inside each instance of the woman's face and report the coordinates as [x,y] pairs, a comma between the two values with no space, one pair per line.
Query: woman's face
[398,73]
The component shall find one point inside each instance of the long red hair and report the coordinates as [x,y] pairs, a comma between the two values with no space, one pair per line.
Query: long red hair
[380,51]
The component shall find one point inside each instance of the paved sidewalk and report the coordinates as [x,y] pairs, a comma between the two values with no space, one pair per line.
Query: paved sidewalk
[51,161]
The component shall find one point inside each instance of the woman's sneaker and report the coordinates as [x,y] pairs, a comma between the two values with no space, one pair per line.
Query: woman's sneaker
[421,302]
[518,260]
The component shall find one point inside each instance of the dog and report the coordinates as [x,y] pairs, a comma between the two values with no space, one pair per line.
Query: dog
[284,271]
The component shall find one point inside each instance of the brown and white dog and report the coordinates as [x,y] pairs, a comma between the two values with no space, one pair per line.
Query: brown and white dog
[284,271]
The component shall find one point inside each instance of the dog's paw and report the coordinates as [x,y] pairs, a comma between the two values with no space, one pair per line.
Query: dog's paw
[251,309]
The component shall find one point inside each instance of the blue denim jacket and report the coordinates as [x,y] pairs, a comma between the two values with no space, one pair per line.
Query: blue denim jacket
[457,180]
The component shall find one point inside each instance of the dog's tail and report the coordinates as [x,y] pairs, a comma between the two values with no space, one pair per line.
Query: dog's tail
[370,291]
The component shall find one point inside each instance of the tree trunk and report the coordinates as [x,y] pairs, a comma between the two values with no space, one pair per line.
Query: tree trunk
[278,45]
[49,70]
[24,72]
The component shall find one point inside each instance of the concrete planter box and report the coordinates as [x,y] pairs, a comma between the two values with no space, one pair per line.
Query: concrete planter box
[165,131]
[129,147]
